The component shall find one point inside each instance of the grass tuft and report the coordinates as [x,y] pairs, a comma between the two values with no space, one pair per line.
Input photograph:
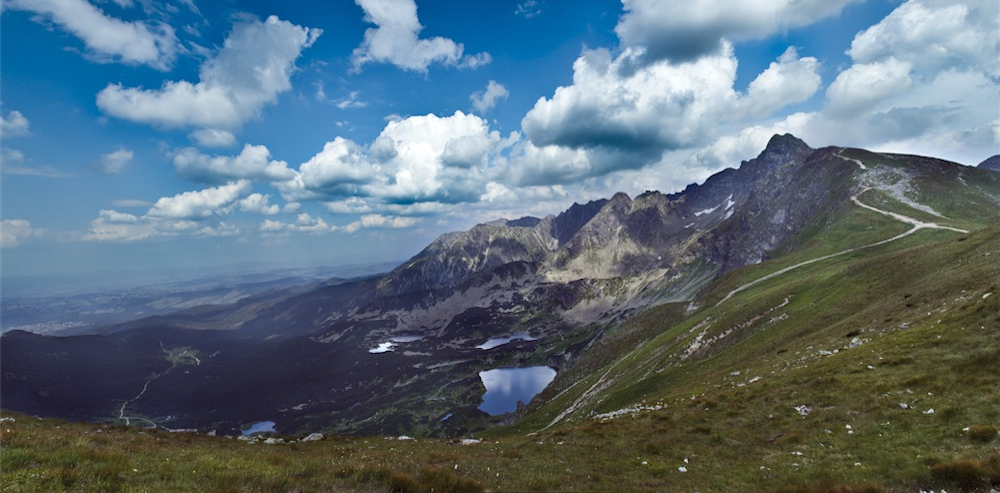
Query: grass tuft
[982,434]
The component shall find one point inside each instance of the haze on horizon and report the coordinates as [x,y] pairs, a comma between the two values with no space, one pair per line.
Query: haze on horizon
[140,135]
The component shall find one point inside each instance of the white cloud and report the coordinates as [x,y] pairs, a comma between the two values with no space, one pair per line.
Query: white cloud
[14,231]
[417,159]
[8,155]
[395,40]
[529,9]
[107,38]
[368,221]
[338,169]
[935,35]
[619,114]
[924,81]
[201,204]
[196,213]
[213,137]
[254,65]
[253,163]
[14,124]
[684,30]
[113,216]
[350,205]
[788,80]
[114,163]
[486,99]
[259,204]
[350,101]
[862,86]
[307,224]
[112,225]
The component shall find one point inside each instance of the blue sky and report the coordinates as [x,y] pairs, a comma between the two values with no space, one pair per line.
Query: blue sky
[181,135]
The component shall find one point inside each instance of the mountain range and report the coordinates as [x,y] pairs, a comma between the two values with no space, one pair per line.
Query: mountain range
[401,352]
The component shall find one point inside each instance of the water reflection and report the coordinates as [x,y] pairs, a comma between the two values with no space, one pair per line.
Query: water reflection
[506,386]
[260,427]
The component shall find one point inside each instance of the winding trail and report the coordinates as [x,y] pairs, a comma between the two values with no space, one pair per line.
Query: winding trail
[121,412]
[917,225]
[605,382]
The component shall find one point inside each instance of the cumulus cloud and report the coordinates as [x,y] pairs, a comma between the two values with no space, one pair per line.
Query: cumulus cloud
[338,169]
[14,124]
[418,159]
[112,225]
[213,137]
[864,85]
[788,80]
[486,99]
[114,163]
[395,40]
[197,213]
[254,65]
[252,163]
[14,231]
[201,204]
[8,156]
[935,35]
[684,30]
[620,115]
[259,204]
[108,39]
[379,221]
[921,83]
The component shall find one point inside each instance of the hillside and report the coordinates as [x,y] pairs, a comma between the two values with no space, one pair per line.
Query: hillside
[872,371]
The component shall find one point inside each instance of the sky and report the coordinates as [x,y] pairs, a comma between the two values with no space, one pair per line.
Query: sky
[143,136]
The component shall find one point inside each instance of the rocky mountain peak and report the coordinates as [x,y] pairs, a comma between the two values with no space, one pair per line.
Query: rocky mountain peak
[780,149]
[567,223]
[784,143]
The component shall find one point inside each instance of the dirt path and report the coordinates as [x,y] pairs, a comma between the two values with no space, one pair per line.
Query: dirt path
[917,225]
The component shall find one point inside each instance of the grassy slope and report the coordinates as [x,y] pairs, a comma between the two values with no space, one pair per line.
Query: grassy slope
[930,339]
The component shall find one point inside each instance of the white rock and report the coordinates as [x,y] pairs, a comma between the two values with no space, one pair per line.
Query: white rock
[313,437]
[903,405]
[929,411]
[682,469]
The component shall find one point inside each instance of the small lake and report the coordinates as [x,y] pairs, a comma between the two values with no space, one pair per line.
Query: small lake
[259,427]
[500,341]
[506,386]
